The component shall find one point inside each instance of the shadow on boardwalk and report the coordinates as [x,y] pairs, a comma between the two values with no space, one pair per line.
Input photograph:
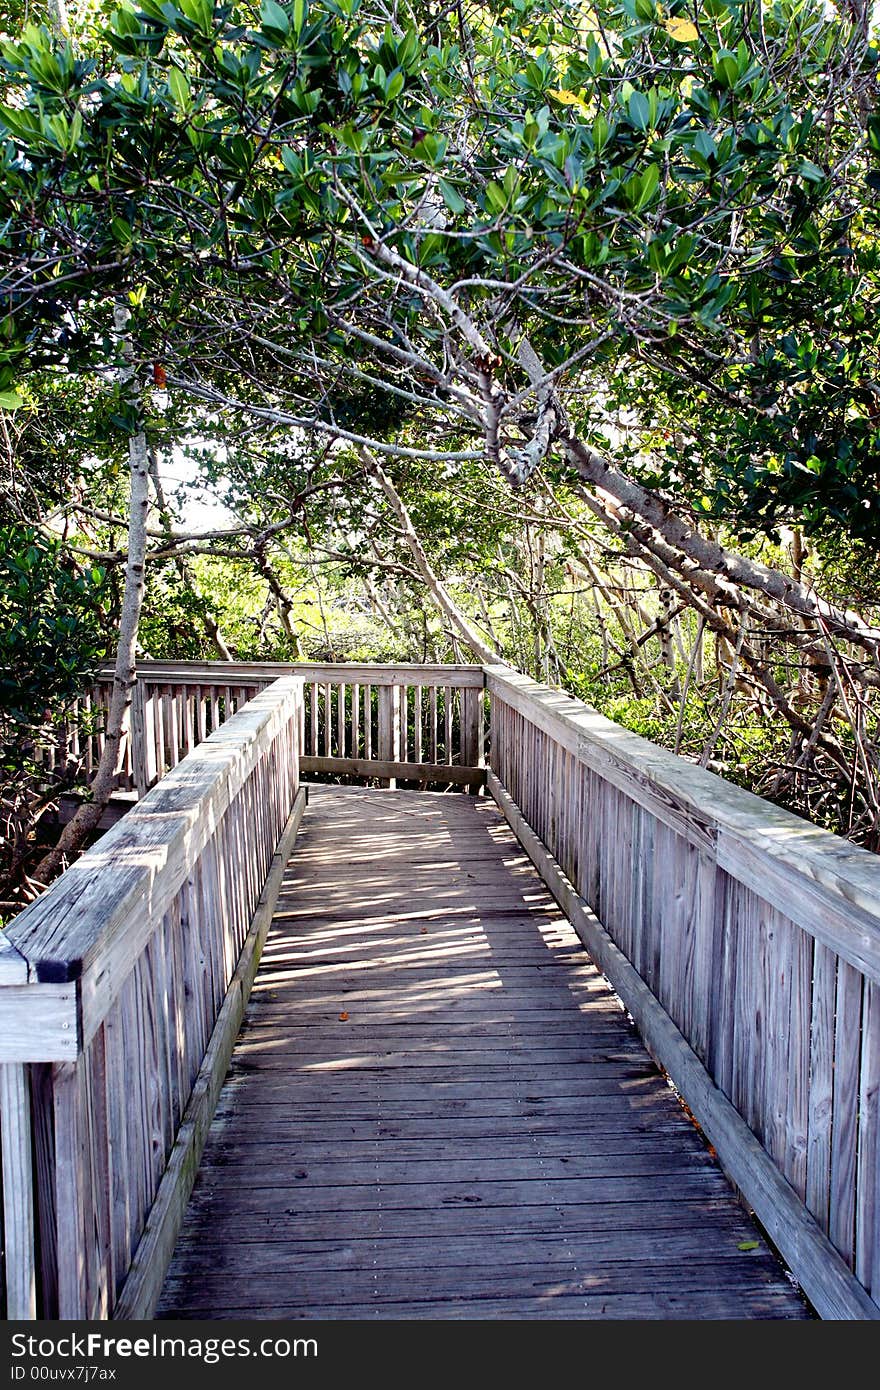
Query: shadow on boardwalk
[437,1108]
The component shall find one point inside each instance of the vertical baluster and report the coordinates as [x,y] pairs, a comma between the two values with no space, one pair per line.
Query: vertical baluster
[433,731]
[84,716]
[368,721]
[472,710]
[162,761]
[173,727]
[313,720]
[118,1157]
[340,720]
[447,724]
[844,1126]
[355,721]
[151,770]
[138,738]
[18,1194]
[403,729]
[389,728]
[189,722]
[70,1190]
[417,723]
[867,1194]
[328,720]
[201,721]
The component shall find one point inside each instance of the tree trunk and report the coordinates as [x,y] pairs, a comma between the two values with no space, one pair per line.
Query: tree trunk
[58,17]
[125,673]
[283,605]
[726,565]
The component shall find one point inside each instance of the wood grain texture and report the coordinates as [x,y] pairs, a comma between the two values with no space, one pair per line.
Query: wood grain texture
[81,928]
[264,672]
[828,885]
[437,1106]
[412,772]
[19,1227]
[820,1269]
[146,1274]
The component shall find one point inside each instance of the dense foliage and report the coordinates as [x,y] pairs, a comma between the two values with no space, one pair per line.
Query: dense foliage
[52,639]
[622,257]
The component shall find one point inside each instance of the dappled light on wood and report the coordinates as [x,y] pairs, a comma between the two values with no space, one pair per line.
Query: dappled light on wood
[501,1111]
[431,1062]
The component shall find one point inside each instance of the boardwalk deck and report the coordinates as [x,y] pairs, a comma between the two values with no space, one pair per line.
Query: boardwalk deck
[438,1109]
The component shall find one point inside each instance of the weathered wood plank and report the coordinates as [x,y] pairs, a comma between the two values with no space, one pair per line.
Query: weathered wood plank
[867,1264]
[844,1128]
[385,768]
[359,1109]
[822,1273]
[40,1023]
[264,672]
[19,1228]
[147,1271]
[13,965]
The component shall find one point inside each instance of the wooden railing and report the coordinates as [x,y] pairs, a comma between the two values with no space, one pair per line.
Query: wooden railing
[419,724]
[744,941]
[746,945]
[121,991]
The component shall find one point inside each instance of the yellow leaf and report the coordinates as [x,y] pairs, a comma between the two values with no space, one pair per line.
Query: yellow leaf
[570,99]
[681,30]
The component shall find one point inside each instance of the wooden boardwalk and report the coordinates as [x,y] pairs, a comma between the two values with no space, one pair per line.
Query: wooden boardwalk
[437,1108]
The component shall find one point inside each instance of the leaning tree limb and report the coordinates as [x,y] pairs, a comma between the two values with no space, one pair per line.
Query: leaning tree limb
[728,565]
[436,588]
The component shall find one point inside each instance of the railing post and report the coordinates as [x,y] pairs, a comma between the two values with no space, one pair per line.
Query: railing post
[18,1192]
[472,731]
[70,1190]
[389,728]
[138,738]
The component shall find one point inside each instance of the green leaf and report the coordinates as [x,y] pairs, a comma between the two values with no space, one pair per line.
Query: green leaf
[273,17]
[201,12]
[496,198]
[451,197]
[748,1245]
[639,110]
[808,170]
[179,88]
[649,180]
[121,230]
[10,400]
[394,85]
[726,68]
[601,132]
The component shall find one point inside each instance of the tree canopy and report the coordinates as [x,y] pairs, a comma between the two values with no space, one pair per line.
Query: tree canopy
[544,295]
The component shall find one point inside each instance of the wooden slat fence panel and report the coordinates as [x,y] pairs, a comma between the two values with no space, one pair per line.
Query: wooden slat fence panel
[757,933]
[133,950]
[410,723]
